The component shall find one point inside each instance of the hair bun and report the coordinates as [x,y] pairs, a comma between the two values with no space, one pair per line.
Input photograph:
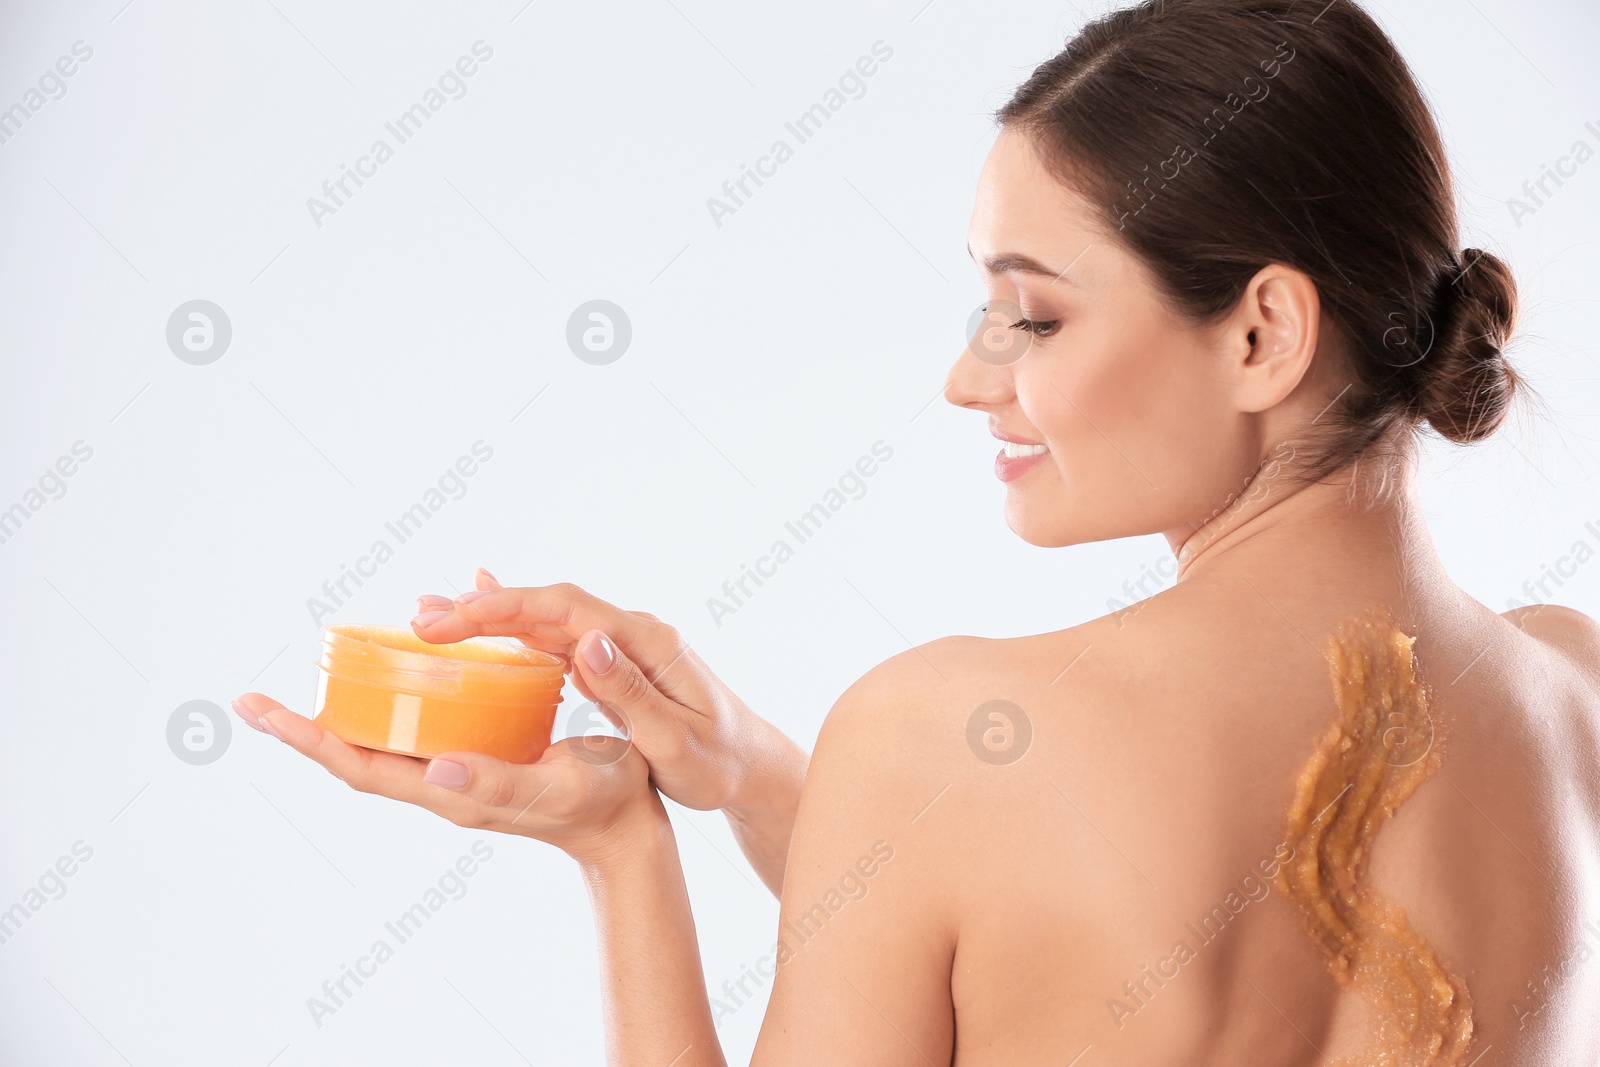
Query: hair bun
[1466,384]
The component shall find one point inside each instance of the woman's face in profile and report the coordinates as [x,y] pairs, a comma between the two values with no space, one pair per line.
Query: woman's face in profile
[1132,402]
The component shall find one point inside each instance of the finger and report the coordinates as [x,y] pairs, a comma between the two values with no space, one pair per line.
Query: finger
[617,684]
[252,718]
[541,637]
[386,773]
[481,579]
[564,608]
[514,788]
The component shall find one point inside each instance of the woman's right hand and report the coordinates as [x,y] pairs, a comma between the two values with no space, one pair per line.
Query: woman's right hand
[705,747]
[589,800]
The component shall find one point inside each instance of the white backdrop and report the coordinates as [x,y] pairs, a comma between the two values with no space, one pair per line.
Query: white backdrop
[377,338]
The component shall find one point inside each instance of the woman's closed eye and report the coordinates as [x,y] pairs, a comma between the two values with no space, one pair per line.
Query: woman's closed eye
[1036,327]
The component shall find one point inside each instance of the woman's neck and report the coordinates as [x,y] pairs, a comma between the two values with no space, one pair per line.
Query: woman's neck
[1361,524]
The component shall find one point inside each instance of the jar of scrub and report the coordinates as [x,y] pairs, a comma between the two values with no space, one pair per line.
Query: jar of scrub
[384,687]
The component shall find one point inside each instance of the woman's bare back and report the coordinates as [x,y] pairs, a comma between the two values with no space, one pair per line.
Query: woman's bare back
[1085,827]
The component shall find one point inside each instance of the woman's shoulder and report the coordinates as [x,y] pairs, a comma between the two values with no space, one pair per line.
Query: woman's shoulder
[936,696]
[1192,659]
[976,750]
[1557,648]
[1564,629]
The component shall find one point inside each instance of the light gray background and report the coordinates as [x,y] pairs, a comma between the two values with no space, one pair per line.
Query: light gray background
[369,353]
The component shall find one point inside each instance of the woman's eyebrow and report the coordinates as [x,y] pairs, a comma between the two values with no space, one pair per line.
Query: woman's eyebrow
[1002,262]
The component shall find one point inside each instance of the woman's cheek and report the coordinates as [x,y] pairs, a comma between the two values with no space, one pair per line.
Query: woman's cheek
[1105,388]
[1074,410]
[1125,416]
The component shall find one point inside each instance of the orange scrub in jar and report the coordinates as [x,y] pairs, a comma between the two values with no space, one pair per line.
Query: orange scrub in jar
[383,687]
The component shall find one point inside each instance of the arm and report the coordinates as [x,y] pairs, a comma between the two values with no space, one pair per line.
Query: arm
[864,942]
[864,957]
[706,748]
[762,812]
[866,934]
[651,983]
[594,802]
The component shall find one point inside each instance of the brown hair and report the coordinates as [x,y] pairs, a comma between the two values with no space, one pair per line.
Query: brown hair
[1224,135]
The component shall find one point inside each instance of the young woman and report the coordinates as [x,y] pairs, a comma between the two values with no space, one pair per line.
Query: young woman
[1226,293]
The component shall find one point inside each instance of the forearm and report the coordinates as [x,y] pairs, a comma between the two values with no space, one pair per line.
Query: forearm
[762,815]
[652,985]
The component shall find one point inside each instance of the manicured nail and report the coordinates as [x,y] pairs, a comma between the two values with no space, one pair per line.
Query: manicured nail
[485,572]
[428,601]
[599,653]
[267,728]
[251,719]
[467,598]
[448,773]
[428,618]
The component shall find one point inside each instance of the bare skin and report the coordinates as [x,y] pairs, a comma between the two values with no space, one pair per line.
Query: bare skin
[981,895]
[1161,767]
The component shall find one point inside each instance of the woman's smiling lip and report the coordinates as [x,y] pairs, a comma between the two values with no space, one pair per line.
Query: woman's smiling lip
[1008,467]
[1018,457]
[1013,438]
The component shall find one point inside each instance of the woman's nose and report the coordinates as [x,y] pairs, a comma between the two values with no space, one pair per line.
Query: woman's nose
[981,373]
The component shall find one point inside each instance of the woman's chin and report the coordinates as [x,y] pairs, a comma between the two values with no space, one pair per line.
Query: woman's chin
[1038,527]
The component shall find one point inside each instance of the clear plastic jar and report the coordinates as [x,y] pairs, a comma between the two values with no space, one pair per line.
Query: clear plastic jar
[383,687]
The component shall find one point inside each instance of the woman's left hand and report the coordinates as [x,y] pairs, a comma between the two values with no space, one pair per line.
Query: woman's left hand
[584,795]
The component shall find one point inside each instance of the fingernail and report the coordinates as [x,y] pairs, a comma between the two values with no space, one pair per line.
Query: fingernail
[598,653]
[428,618]
[448,773]
[267,727]
[428,600]
[467,598]
[485,572]
[251,719]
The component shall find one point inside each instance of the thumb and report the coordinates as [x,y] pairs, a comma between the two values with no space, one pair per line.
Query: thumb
[616,682]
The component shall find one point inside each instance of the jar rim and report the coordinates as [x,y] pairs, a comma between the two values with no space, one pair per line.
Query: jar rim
[397,649]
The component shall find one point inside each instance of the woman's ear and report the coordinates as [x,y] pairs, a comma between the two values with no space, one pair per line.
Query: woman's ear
[1273,336]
